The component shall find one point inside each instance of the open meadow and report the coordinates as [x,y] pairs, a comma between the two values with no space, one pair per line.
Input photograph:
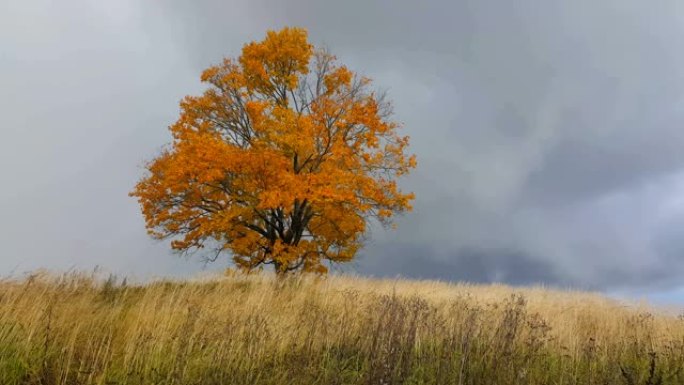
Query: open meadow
[256,329]
[527,153]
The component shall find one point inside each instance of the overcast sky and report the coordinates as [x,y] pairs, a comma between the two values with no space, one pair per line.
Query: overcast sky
[549,133]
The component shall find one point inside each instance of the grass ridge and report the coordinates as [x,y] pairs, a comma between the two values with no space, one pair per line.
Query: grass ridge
[78,329]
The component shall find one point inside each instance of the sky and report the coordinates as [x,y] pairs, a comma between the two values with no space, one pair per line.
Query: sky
[549,134]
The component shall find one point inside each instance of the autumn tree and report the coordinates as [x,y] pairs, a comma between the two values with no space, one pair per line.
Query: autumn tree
[283,160]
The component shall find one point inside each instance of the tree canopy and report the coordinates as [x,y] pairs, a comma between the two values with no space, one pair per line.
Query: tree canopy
[283,160]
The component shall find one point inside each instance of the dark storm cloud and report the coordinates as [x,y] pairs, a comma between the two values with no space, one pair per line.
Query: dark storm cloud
[479,266]
[548,133]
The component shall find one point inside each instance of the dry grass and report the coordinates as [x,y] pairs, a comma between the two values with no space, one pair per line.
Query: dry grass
[75,329]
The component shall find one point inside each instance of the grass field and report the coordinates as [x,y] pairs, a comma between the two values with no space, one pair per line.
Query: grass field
[75,329]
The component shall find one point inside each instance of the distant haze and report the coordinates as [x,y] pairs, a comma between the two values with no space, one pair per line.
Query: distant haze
[549,134]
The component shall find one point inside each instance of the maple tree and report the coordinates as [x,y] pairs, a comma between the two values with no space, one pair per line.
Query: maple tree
[283,160]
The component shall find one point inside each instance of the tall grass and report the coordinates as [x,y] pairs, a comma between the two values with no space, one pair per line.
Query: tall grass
[75,329]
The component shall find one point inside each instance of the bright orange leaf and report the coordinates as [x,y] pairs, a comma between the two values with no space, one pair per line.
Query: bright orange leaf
[283,160]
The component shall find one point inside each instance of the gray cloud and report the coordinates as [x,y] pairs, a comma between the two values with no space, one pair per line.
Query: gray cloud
[548,133]
[479,266]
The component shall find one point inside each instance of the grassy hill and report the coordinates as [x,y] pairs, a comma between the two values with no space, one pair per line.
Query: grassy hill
[74,329]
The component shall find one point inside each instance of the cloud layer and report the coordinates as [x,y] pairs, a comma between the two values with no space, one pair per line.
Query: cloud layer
[548,133]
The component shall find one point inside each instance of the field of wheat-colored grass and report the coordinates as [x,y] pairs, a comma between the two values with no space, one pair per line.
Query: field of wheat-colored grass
[256,329]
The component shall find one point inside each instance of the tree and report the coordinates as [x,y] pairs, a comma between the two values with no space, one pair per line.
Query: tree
[283,160]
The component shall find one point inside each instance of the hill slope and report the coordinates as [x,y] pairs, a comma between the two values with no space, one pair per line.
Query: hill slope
[338,330]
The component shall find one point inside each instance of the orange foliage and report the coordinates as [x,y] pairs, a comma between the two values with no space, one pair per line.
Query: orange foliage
[282,160]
